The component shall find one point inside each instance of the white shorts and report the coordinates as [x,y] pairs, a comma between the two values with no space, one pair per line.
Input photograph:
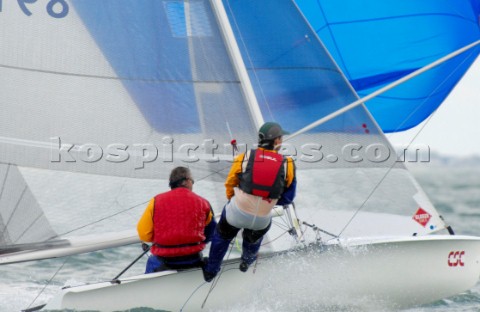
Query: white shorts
[243,220]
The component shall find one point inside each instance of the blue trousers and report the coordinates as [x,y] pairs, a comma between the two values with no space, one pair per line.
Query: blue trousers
[157,264]
[223,235]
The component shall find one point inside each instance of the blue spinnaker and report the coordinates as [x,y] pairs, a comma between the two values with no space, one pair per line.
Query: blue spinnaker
[376,42]
[294,78]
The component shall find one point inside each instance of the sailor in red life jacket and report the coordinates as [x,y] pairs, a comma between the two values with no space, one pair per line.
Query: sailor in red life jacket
[258,180]
[179,223]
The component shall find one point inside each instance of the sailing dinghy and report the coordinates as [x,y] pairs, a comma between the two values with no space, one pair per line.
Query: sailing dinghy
[331,268]
[101,103]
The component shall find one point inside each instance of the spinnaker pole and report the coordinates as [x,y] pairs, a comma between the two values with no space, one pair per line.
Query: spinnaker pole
[383,90]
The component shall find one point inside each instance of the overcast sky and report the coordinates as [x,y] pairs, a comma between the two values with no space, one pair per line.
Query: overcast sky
[454,129]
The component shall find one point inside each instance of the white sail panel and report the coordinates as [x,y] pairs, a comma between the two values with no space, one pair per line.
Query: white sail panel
[21,218]
[97,95]
[103,93]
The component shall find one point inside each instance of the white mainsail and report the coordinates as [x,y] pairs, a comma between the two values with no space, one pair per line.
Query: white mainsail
[96,114]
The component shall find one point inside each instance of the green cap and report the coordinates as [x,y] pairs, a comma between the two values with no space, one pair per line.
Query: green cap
[270,131]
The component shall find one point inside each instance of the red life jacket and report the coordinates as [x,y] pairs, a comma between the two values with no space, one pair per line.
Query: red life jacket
[179,220]
[264,174]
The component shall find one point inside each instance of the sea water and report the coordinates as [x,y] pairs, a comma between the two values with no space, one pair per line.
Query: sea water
[455,191]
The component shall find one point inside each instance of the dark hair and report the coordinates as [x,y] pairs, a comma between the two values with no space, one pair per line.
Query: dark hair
[178,175]
[266,144]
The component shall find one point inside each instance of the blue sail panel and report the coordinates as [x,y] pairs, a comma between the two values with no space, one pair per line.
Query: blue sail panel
[161,51]
[377,42]
[295,80]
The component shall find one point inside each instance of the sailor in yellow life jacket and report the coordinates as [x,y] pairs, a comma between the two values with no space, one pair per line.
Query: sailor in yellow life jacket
[258,180]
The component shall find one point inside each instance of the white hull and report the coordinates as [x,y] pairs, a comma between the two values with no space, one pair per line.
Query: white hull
[392,273]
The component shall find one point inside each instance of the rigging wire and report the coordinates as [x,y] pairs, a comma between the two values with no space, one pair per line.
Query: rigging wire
[212,173]
[191,295]
[134,206]
[215,280]
[104,218]
[278,237]
[196,289]
[49,281]
[121,212]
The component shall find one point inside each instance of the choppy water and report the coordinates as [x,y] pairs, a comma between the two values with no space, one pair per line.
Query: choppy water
[455,192]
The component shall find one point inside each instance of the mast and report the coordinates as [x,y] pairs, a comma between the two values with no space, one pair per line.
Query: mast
[237,61]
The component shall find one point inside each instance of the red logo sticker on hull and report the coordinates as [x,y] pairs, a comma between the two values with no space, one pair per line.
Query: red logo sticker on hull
[422,217]
[455,258]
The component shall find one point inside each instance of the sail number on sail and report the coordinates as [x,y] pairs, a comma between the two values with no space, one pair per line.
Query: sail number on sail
[55,8]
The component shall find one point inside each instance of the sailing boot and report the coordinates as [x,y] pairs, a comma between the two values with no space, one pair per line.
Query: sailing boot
[207,276]
[249,251]
[243,266]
